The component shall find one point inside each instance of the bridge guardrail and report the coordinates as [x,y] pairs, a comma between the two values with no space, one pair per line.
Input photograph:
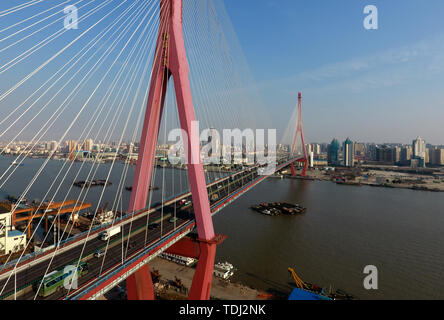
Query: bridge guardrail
[34,255]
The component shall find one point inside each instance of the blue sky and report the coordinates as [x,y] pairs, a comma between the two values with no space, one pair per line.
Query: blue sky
[380,85]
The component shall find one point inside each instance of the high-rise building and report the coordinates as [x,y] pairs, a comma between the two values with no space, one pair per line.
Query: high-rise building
[348,153]
[88,144]
[388,155]
[370,152]
[54,145]
[308,148]
[214,140]
[359,150]
[384,154]
[419,152]
[419,148]
[324,147]
[313,147]
[333,152]
[406,155]
[71,146]
[396,154]
[436,156]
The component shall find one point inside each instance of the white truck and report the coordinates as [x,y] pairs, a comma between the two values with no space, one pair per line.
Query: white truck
[104,236]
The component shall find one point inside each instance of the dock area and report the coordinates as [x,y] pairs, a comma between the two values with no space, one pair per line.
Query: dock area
[396,177]
[174,282]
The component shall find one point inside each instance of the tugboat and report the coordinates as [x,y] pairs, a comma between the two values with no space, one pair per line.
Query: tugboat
[15,163]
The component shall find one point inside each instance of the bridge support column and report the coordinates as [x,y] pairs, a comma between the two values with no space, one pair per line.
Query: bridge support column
[304,169]
[299,132]
[171,60]
[139,285]
[293,172]
[205,251]
[201,286]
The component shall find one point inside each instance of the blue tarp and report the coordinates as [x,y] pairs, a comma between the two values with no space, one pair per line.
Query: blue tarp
[299,294]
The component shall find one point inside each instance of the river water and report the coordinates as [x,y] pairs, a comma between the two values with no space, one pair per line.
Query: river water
[399,231]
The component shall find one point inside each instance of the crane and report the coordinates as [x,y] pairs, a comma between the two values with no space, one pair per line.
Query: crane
[299,283]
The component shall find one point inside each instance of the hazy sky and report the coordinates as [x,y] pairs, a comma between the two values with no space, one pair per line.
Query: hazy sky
[382,85]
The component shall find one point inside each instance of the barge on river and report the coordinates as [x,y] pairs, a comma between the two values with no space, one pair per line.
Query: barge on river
[278,208]
[92,183]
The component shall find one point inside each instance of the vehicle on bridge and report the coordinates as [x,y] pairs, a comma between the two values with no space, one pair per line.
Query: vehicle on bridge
[173,219]
[155,223]
[132,244]
[56,280]
[186,205]
[109,233]
[99,253]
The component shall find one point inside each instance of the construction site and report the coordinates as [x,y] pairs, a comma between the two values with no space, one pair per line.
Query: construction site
[35,226]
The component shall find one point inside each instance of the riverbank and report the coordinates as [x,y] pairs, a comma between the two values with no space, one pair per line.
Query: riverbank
[170,274]
[376,178]
[345,229]
[221,289]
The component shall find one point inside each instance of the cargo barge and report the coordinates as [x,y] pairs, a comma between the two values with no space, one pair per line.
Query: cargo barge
[92,183]
[278,208]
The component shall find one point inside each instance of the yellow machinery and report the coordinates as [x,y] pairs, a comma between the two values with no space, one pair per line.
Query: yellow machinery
[299,283]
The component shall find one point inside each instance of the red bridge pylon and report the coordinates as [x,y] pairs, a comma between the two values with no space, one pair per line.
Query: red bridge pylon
[299,131]
[171,60]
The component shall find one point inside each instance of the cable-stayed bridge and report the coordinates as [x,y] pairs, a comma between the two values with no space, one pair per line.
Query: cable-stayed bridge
[172,44]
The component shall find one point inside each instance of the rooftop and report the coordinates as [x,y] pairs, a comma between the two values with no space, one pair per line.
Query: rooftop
[3,210]
[14,233]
